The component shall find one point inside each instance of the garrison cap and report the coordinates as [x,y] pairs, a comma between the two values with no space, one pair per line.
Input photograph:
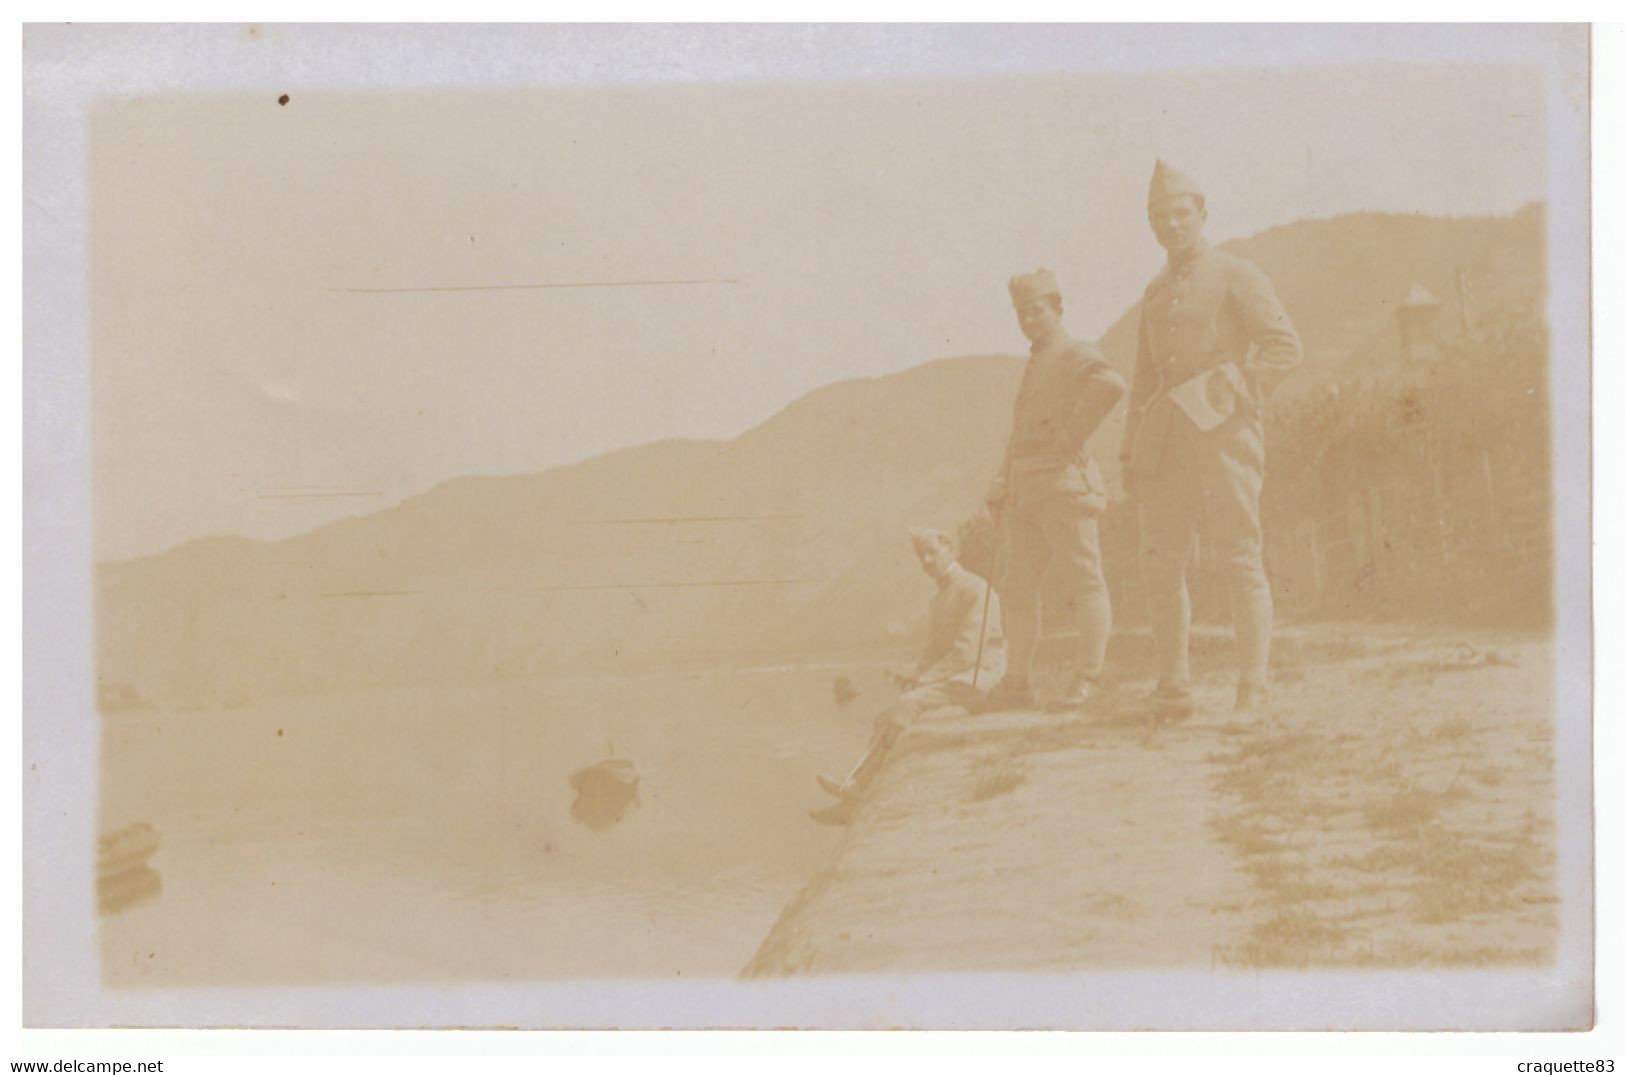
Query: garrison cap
[1029,287]
[924,539]
[1167,183]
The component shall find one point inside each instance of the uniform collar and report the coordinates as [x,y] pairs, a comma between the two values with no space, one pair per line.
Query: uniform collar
[1201,251]
[1058,341]
[948,576]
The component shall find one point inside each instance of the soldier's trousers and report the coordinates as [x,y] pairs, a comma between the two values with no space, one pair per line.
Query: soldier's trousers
[1054,558]
[1214,479]
[890,724]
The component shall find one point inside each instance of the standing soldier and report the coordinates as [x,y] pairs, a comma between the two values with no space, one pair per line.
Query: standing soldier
[1050,495]
[1214,342]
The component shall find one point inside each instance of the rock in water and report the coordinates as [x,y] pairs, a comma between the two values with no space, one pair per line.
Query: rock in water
[605,793]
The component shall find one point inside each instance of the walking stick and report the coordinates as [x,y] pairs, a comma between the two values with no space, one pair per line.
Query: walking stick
[987,598]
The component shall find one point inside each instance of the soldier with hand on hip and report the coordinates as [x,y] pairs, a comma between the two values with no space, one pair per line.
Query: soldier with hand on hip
[1214,342]
[1049,496]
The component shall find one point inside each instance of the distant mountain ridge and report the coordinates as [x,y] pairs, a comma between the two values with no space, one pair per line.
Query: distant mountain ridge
[788,539]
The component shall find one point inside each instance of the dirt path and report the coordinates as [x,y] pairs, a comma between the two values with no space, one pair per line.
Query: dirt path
[1401,813]
[1396,811]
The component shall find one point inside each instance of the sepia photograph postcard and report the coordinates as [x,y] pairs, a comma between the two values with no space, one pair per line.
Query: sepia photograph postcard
[807,526]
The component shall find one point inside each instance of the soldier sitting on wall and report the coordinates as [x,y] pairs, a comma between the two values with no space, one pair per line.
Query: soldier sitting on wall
[963,659]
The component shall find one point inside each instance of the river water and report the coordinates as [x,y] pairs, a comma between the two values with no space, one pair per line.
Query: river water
[426,835]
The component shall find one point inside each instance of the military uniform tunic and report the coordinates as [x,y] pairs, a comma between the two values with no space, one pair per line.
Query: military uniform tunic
[955,633]
[1213,310]
[1048,454]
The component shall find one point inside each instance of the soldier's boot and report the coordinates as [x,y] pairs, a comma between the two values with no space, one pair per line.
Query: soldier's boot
[1252,710]
[835,814]
[1083,690]
[1252,700]
[845,792]
[1169,703]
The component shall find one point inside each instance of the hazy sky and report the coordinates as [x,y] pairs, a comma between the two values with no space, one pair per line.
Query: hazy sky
[240,388]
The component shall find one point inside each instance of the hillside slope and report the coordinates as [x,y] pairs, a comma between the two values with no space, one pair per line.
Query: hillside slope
[672,550]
